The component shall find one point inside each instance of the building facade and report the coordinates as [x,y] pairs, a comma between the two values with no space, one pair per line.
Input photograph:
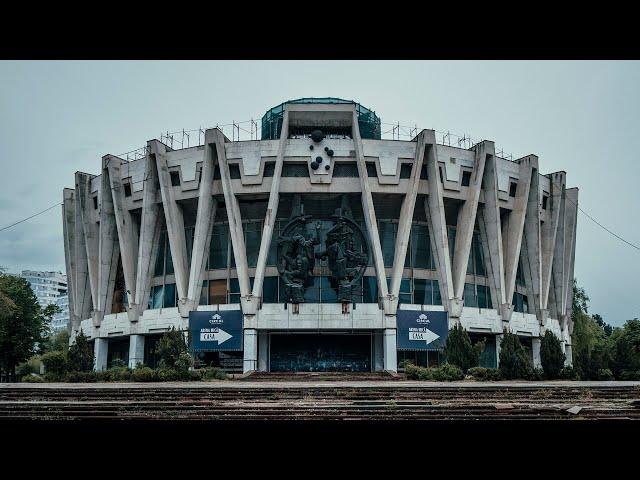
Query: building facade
[51,288]
[324,237]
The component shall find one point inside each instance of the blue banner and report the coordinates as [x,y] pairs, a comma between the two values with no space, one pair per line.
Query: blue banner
[213,331]
[421,330]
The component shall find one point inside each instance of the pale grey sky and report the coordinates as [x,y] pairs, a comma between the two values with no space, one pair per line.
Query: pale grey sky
[581,117]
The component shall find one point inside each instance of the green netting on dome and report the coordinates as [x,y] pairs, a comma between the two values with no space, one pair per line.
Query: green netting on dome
[368,121]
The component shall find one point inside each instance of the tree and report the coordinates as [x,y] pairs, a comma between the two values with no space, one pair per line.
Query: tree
[80,355]
[58,342]
[514,360]
[591,343]
[172,349]
[459,350]
[551,355]
[23,323]
[626,348]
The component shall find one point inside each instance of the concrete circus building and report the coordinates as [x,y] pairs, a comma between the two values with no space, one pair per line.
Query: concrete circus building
[323,236]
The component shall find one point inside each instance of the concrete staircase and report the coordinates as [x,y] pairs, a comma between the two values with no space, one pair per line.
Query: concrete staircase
[265,401]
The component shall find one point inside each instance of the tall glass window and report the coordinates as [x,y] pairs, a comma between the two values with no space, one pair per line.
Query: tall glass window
[219,248]
[520,303]
[421,248]
[478,296]
[475,266]
[252,237]
[387,232]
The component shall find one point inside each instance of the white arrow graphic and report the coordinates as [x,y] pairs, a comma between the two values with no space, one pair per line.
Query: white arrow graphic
[221,336]
[426,335]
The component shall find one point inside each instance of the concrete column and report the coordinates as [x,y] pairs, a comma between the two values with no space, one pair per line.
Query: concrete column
[149,232]
[498,344]
[378,351]
[90,234]
[434,210]
[109,249]
[512,236]
[467,221]
[205,218]
[548,233]
[390,350]
[83,300]
[493,231]
[125,230]
[406,217]
[531,264]
[568,355]
[175,226]
[559,267]
[571,215]
[68,236]
[250,357]
[235,222]
[370,215]
[535,343]
[100,351]
[136,350]
[272,210]
[263,351]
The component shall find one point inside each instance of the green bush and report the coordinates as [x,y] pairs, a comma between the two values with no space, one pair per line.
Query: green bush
[630,375]
[32,378]
[213,373]
[80,355]
[53,377]
[514,360]
[445,373]
[55,362]
[536,374]
[485,374]
[184,362]
[605,374]
[448,373]
[170,350]
[118,363]
[569,373]
[25,368]
[459,350]
[414,372]
[82,377]
[551,355]
[195,376]
[144,374]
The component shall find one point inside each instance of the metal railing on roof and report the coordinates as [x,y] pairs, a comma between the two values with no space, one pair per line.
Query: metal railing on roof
[251,130]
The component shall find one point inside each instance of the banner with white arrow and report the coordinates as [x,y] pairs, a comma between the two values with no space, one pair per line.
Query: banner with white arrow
[216,330]
[421,330]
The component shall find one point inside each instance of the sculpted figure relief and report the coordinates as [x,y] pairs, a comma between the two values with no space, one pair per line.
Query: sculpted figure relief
[296,260]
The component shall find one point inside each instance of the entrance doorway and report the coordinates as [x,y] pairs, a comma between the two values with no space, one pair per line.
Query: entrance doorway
[306,352]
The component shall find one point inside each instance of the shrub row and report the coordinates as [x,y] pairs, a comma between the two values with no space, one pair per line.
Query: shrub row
[123,374]
[445,373]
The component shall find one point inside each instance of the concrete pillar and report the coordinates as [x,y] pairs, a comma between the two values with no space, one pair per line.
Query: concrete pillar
[568,355]
[82,297]
[205,218]
[548,233]
[68,235]
[378,351]
[390,350]
[175,225]
[149,233]
[370,215]
[466,224]
[535,344]
[498,344]
[88,219]
[406,217]
[250,358]
[492,229]
[100,351]
[136,350]
[127,238]
[108,249]
[272,209]
[263,351]
[513,233]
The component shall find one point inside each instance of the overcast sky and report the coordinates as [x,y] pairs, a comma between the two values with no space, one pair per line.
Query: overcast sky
[581,117]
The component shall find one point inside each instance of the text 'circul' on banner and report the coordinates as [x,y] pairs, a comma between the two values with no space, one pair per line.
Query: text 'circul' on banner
[214,331]
[421,330]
